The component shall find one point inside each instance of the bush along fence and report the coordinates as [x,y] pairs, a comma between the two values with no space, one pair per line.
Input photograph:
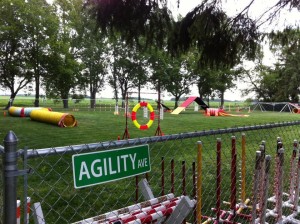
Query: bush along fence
[245,174]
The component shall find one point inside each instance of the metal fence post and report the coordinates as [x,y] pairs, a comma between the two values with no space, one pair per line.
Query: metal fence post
[9,178]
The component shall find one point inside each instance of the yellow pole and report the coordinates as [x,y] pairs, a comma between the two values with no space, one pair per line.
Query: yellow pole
[199,183]
[243,175]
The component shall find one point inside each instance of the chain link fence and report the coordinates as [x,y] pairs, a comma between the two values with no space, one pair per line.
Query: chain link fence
[174,162]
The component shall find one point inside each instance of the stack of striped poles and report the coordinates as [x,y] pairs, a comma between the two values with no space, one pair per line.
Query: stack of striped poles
[153,210]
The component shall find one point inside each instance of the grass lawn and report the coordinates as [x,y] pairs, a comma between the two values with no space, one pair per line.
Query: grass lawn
[52,180]
[97,126]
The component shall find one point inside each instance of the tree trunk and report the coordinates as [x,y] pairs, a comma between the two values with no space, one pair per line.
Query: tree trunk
[222,99]
[65,103]
[124,99]
[176,101]
[10,101]
[37,91]
[93,99]
[37,98]
[139,93]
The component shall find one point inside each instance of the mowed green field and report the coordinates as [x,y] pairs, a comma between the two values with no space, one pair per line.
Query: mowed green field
[98,126]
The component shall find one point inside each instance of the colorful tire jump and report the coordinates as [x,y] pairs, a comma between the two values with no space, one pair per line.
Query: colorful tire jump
[56,118]
[133,115]
[24,111]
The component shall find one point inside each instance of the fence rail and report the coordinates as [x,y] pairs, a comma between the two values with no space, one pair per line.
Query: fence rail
[46,175]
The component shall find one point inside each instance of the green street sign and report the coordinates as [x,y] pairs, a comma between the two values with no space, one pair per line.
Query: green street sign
[101,167]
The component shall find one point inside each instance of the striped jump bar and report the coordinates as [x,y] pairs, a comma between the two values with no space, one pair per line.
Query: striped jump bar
[19,210]
[128,209]
[126,217]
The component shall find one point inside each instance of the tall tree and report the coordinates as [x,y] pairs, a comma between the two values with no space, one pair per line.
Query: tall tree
[128,68]
[63,67]
[286,45]
[179,78]
[15,70]
[281,81]
[93,51]
[42,24]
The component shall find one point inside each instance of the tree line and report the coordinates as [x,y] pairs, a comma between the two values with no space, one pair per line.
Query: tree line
[70,47]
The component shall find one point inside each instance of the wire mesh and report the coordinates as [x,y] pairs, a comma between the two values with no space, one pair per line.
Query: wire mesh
[173,170]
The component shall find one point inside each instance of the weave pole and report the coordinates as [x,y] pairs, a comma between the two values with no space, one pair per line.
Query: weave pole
[172,176]
[296,197]
[293,171]
[264,198]
[194,191]
[136,189]
[183,178]
[233,177]
[243,170]
[199,182]
[279,145]
[262,149]
[162,175]
[255,186]
[218,187]
[280,185]
[183,182]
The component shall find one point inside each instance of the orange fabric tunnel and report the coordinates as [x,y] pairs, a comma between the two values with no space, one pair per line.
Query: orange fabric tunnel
[56,118]
[220,112]
[296,110]
[213,111]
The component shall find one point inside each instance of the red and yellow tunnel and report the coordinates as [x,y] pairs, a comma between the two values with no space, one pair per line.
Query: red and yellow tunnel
[24,111]
[56,118]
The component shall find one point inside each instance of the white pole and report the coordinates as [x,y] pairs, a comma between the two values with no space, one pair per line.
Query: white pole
[196,107]
[161,115]
[145,112]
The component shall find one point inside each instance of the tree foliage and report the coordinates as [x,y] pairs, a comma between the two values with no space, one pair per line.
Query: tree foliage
[281,82]
[24,29]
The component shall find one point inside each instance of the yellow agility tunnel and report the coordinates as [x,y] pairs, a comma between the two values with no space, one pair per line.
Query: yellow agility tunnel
[24,111]
[56,118]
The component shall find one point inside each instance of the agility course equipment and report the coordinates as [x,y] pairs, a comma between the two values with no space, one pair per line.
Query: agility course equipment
[167,209]
[158,131]
[56,118]
[26,210]
[167,109]
[133,115]
[190,100]
[263,208]
[24,111]
[220,112]
[224,216]
[277,107]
